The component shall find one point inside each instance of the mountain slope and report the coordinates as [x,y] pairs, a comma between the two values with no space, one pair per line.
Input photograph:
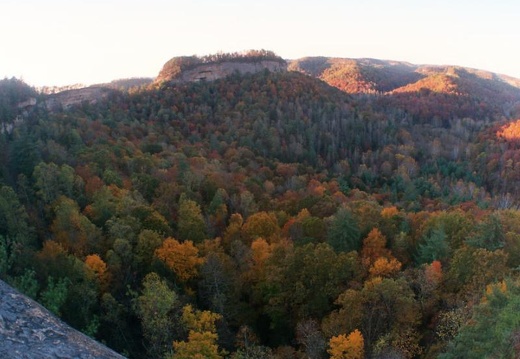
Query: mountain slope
[358,75]
[294,203]
[391,77]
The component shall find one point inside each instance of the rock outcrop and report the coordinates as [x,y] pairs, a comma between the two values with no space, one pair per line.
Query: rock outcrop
[67,99]
[29,331]
[211,72]
[194,69]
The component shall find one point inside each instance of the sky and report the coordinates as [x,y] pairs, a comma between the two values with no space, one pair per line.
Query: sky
[62,42]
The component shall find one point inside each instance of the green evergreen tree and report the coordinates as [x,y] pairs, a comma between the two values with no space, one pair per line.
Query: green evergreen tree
[434,247]
[344,234]
[493,329]
[54,297]
[489,234]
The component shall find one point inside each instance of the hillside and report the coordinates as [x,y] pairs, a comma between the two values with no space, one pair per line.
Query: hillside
[269,214]
[424,92]
[358,75]
[382,76]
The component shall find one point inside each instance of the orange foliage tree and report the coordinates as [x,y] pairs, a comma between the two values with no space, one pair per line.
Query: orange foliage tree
[182,258]
[376,258]
[98,268]
[384,267]
[347,347]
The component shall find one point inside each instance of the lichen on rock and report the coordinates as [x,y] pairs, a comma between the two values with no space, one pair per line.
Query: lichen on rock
[28,330]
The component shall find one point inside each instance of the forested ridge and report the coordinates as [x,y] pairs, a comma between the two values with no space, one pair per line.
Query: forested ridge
[271,215]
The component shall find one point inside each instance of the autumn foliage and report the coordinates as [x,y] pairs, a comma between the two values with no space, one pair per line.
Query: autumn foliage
[510,132]
[181,258]
[272,215]
[347,346]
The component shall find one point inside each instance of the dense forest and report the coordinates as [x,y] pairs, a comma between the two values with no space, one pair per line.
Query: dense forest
[271,215]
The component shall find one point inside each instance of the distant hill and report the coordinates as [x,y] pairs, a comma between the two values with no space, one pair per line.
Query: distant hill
[464,81]
[358,75]
[372,75]
[418,88]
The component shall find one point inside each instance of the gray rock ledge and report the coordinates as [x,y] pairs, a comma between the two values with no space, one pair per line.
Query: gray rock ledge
[29,331]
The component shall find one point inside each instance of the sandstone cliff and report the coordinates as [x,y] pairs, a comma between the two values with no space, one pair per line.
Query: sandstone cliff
[193,69]
[67,99]
[27,330]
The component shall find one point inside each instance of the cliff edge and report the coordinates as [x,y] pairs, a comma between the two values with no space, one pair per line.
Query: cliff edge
[209,68]
[28,330]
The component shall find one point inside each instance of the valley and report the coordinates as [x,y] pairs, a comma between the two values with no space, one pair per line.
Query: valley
[247,206]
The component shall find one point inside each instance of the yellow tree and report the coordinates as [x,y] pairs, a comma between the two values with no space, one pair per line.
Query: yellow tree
[199,346]
[347,347]
[199,321]
[202,336]
[384,267]
[182,258]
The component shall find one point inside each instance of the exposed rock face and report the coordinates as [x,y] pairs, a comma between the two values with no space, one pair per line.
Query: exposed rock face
[27,330]
[27,103]
[8,127]
[69,98]
[214,71]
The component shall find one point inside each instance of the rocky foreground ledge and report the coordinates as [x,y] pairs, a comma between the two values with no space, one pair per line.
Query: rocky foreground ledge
[28,330]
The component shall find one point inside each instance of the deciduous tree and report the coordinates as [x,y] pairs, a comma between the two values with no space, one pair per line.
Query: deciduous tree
[347,347]
[190,222]
[154,308]
[182,258]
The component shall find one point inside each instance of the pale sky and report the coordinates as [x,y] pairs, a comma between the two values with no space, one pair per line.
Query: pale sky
[59,42]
